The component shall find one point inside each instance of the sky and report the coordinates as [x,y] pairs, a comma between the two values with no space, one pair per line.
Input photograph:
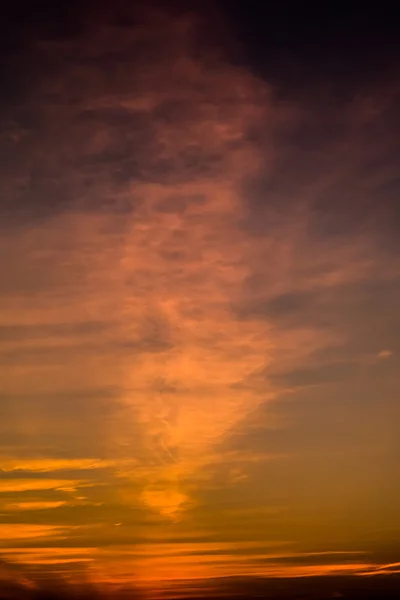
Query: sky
[199,300]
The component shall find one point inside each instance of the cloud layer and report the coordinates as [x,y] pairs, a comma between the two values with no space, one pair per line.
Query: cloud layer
[198,336]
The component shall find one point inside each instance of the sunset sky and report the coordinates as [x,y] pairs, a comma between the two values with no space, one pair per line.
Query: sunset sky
[199,297]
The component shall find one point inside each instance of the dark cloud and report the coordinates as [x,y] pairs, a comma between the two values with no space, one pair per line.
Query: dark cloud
[57,423]
[338,156]
[310,588]
[102,398]
[283,306]
[320,374]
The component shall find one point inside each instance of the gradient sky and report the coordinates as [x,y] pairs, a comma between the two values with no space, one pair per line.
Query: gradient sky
[199,298]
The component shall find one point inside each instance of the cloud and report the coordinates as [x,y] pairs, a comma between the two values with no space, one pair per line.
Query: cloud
[19,485]
[318,375]
[45,331]
[384,354]
[170,154]
[46,465]
[197,279]
[16,531]
[17,506]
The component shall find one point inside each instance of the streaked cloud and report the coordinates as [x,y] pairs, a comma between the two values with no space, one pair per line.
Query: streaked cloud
[44,465]
[32,505]
[15,531]
[21,485]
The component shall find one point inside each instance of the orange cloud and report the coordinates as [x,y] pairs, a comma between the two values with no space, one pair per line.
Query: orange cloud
[21,485]
[16,506]
[44,465]
[16,531]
